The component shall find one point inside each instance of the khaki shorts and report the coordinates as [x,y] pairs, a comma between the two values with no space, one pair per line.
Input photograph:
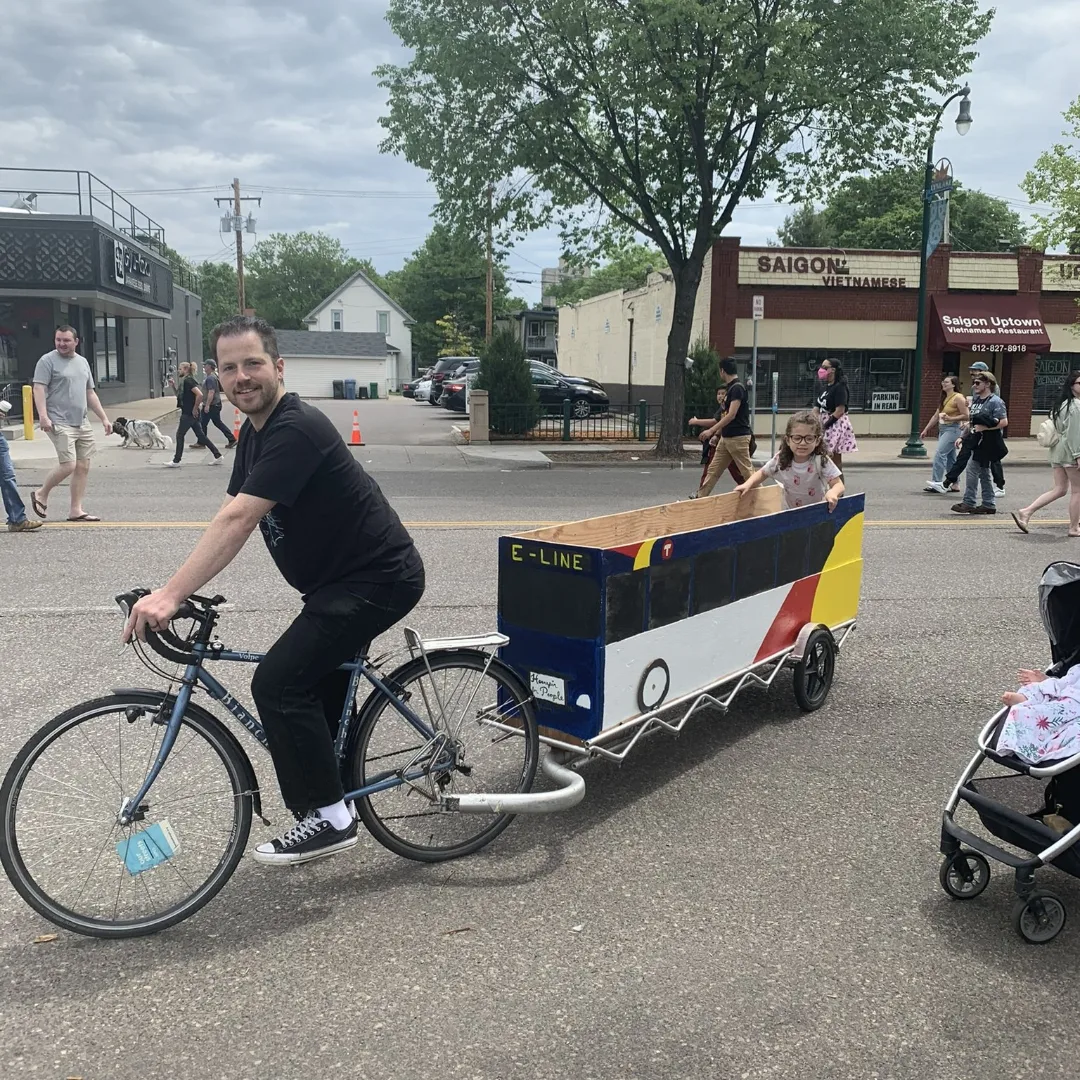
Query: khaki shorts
[72,443]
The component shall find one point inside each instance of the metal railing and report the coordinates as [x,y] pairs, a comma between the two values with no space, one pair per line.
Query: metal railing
[612,423]
[75,191]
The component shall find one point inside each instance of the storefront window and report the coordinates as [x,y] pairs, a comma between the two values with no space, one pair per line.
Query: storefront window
[108,350]
[1050,372]
[868,372]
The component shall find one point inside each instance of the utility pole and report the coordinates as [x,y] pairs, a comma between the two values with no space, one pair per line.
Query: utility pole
[235,222]
[489,298]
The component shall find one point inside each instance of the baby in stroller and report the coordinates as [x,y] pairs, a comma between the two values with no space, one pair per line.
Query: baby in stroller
[1044,721]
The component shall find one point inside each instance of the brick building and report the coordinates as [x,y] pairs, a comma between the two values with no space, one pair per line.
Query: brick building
[1015,311]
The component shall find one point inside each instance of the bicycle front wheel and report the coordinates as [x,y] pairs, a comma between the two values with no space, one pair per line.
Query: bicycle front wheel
[485,739]
[62,844]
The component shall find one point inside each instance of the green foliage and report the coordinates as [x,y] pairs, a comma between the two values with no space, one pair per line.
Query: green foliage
[288,274]
[504,374]
[628,268]
[447,275]
[702,378]
[657,117]
[1055,182]
[219,295]
[884,211]
[452,340]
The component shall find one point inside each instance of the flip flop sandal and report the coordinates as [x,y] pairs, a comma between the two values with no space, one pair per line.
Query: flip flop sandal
[85,517]
[39,507]
[1020,523]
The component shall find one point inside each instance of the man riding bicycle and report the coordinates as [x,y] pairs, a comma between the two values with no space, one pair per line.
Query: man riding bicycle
[335,538]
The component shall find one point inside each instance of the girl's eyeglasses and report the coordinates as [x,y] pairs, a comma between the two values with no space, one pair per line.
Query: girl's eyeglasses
[802,440]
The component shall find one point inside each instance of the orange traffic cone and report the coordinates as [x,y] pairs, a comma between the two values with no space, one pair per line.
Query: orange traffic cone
[236,425]
[355,439]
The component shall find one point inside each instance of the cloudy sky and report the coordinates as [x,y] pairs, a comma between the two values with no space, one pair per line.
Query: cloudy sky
[171,101]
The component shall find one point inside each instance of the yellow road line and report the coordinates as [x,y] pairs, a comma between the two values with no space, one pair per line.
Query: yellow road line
[913,523]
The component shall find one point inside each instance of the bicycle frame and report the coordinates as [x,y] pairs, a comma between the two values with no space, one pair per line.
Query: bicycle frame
[196,673]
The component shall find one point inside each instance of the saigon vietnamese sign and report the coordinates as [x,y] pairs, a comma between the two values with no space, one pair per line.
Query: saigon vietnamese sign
[1061,275]
[829,269]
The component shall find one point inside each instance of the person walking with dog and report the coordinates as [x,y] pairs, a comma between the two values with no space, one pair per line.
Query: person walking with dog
[211,404]
[63,392]
[188,401]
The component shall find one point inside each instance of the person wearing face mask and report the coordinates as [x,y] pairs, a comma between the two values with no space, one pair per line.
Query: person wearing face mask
[832,403]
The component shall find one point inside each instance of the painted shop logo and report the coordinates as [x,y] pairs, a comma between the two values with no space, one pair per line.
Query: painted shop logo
[834,271]
[1007,324]
[130,267]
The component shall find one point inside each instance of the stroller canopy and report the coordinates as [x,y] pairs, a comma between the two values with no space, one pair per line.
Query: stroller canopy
[1059,605]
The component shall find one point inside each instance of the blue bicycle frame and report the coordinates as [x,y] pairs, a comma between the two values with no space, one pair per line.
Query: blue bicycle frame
[195,673]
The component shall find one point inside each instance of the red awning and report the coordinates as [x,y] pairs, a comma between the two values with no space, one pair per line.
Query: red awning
[988,323]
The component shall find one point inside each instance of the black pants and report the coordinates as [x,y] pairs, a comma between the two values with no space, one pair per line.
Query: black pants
[189,423]
[954,474]
[213,416]
[299,693]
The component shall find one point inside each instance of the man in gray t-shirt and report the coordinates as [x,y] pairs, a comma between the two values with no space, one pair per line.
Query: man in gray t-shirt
[63,391]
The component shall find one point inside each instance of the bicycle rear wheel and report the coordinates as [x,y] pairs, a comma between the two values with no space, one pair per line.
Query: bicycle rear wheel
[486,740]
[61,843]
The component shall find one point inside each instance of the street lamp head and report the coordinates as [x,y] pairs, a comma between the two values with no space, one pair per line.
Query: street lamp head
[963,117]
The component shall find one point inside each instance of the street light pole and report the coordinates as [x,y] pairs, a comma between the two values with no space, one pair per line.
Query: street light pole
[914,448]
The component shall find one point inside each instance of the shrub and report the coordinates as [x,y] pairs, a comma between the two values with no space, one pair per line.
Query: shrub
[702,379]
[504,374]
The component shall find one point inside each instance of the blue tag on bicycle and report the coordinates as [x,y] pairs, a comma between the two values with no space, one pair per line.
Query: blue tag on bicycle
[148,848]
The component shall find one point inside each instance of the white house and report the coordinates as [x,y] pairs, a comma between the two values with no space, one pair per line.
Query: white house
[359,306]
[314,359]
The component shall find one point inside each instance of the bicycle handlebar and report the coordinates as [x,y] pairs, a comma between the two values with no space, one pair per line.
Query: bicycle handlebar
[164,642]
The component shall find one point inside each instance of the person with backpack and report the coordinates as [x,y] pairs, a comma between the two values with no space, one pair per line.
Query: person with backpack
[1060,434]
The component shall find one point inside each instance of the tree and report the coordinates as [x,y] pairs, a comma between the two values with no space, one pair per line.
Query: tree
[219,295]
[447,275]
[628,268]
[512,400]
[453,341]
[288,274]
[884,211]
[1055,181]
[657,117]
[806,227]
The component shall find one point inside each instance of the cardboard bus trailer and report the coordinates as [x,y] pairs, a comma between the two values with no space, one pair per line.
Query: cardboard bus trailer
[612,617]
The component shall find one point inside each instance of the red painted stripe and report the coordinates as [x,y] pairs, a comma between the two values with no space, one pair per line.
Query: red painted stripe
[793,615]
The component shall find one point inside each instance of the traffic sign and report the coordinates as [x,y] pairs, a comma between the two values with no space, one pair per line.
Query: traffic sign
[759,308]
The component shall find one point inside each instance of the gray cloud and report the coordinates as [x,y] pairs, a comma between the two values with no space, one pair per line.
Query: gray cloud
[163,96]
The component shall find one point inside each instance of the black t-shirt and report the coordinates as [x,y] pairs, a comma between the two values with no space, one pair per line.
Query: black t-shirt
[832,395]
[331,522]
[740,424]
[185,395]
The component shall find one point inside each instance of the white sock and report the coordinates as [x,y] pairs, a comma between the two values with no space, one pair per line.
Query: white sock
[338,814]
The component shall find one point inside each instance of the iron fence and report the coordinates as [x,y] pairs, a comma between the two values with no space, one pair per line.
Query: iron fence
[559,423]
[12,393]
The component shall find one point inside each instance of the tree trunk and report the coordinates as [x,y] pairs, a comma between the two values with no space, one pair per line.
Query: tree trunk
[687,280]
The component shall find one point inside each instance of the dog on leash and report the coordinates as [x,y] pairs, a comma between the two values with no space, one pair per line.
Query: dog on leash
[141,434]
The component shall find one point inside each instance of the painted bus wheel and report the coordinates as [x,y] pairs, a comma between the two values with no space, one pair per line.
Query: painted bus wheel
[654,686]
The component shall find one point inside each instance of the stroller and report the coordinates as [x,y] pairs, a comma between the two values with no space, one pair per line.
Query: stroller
[1011,805]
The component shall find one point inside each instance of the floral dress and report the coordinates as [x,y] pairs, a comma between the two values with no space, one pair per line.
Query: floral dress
[839,436]
[1047,726]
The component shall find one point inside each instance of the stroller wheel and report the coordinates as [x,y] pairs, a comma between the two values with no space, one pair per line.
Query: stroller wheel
[1039,918]
[814,672]
[964,875]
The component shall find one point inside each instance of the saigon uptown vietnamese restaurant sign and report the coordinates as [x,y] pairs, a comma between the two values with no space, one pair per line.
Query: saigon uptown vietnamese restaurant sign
[829,269]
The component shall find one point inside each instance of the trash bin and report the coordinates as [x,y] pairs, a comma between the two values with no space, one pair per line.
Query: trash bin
[350,388]
[339,389]
[362,393]
[373,390]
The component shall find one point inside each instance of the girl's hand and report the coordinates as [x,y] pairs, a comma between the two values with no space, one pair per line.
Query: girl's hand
[1026,676]
[958,444]
[832,497]
[1010,697]
[742,489]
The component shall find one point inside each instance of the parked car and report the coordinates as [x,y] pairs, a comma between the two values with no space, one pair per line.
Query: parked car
[422,390]
[444,368]
[453,394]
[552,390]
[409,389]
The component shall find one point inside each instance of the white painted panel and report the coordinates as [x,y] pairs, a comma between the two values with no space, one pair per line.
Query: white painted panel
[697,651]
[313,377]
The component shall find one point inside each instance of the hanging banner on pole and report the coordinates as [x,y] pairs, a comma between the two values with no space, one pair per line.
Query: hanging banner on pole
[938,196]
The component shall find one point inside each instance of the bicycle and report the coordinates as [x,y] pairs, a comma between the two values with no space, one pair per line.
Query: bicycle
[140,827]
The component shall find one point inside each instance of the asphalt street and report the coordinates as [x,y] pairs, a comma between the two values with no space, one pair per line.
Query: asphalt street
[757,898]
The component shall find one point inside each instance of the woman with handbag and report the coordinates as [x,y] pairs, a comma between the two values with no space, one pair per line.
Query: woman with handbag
[1060,434]
[987,446]
[832,404]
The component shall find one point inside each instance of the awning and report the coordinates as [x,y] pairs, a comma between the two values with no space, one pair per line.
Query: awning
[988,323]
